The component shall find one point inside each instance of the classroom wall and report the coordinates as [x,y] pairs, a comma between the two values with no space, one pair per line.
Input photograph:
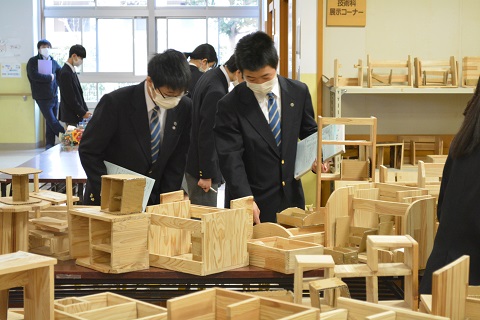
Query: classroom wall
[20,121]
[429,29]
[307,16]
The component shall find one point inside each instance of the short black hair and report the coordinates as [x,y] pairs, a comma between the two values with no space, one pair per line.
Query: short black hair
[256,51]
[203,51]
[231,64]
[79,50]
[170,69]
[43,42]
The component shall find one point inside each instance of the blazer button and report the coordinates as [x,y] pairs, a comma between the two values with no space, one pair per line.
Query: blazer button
[283,161]
[150,171]
[283,183]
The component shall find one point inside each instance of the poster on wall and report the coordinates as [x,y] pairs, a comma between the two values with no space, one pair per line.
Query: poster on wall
[10,47]
[346,13]
[11,70]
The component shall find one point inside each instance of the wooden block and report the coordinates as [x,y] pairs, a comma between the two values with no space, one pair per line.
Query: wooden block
[173,196]
[354,170]
[122,193]
[342,255]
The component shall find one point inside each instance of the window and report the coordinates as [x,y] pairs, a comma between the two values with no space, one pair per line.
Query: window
[120,36]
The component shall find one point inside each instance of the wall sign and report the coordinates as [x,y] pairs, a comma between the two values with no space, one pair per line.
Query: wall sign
[347,13]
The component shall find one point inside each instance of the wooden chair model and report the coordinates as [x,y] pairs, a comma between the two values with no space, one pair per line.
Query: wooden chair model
[366,206]
[370,143]
[339,81]
[419,146]
[439,73]
[449,290]
[390,79]
[470,71]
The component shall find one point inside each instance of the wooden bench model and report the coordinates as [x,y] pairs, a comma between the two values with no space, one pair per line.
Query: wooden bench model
[402,77]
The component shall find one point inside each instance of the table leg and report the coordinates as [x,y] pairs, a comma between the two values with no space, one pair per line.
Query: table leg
[21,231]
[39,294]
[80,192]
[6,221]
[3,304]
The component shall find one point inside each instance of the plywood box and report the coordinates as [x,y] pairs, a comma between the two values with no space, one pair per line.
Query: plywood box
[215,243]
[122,193]
[107,306]
[219,303]
[278,254]
[314,234]
[109,243]
[297,217]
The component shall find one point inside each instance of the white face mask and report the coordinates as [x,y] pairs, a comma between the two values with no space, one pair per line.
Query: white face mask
[78,62]
[262,88]
[202,70]
[45,52]
[165,103]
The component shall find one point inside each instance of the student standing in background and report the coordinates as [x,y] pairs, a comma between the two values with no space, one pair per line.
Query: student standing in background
[73,108]
[45,89]
[201,60]
[202,171]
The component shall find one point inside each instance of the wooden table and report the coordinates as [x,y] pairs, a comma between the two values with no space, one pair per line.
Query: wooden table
[56,164]
[157,285]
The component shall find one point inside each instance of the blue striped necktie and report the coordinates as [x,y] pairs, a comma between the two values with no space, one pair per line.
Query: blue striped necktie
[155,131]
[274,118]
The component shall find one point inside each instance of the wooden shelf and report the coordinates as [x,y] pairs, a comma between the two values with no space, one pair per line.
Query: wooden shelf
[102,247]
[402,90]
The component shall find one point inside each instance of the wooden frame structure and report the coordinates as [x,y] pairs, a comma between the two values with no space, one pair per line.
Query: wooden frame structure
[215,243]
[106,305]
[470,71]
[438,73]
[339,81]
[35,274]
[370,143]
[391,79]
[219,303]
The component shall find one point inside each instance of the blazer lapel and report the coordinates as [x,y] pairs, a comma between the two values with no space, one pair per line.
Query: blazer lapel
[252,112]
[139,120]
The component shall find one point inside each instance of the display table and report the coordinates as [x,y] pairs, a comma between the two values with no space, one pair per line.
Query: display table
[56,164]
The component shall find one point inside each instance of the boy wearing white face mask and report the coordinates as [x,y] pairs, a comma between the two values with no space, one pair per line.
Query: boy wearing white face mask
[45,89]
[73,108]
[144,128]
[257,127]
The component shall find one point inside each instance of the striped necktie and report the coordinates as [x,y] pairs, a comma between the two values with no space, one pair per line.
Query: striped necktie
[274,118]
[155,131]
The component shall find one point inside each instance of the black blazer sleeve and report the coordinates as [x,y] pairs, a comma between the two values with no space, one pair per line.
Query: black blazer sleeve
[95,140]
[33,74]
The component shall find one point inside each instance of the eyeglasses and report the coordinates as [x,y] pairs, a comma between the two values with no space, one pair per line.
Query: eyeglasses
[167,96]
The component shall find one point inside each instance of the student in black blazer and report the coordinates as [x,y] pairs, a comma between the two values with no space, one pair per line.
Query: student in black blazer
[458,207]
[203,172]
[119,131]
[252,160]
[200,60]
[73,108]
[45,90]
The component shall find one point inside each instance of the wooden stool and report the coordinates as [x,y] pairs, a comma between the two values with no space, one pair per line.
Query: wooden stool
[35,274]
[313,262]
[396,154]
[340,289]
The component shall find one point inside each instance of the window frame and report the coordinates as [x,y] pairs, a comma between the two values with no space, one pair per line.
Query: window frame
[150,13]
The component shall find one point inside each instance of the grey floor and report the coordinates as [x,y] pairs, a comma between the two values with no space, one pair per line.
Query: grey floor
[13,158]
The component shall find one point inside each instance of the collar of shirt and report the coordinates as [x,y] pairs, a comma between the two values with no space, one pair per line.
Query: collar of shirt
[226,75]
[192,64]
[263,99]
[73,68]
